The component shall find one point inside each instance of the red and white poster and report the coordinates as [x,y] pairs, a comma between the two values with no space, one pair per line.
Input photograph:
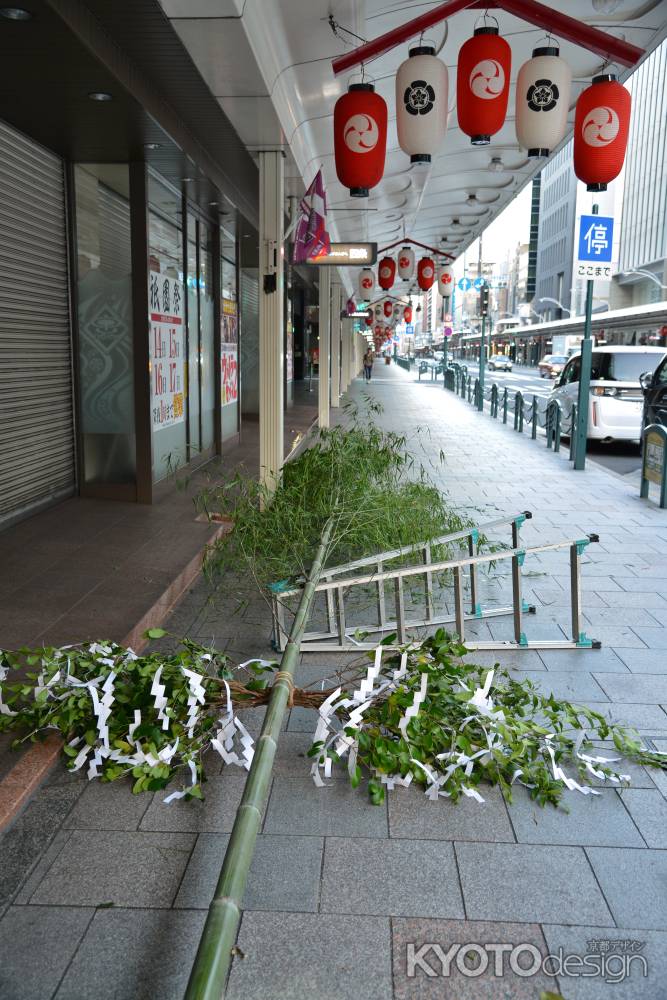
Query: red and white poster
[229,353]
[167,350]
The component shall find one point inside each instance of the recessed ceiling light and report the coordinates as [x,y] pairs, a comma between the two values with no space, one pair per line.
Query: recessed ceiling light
[188,180]
[496,165]
[151,145]
[100,95]
[213,204]
[15,14]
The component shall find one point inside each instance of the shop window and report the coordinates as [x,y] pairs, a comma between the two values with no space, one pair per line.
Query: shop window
[104,312]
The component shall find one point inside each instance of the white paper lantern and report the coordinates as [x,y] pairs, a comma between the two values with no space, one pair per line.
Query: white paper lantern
[406,263]
[421,104]
[542,101]
[379,312]
[396,313]
[366,284]
[445,280]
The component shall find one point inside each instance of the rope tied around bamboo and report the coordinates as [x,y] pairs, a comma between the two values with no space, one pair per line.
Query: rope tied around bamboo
[298,697]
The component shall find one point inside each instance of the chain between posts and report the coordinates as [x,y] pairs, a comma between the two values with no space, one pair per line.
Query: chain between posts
[553,418]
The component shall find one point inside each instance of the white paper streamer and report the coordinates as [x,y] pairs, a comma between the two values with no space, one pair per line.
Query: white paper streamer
[413,710]
[158,692]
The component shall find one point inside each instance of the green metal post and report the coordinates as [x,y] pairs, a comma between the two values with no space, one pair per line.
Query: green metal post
[482,365]
[573,424]
[533,432]
[583,397]
[214,956]
[444,363]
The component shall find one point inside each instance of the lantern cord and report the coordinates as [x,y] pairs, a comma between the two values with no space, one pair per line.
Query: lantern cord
[336,28]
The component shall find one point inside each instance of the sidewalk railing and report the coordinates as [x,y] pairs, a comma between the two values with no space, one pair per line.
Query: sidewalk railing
[531,411]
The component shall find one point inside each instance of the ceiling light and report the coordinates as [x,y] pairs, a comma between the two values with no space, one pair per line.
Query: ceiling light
[456,222]
[496,165]
[188,180]
[100,95]
[15,14]
[151,145]
[471,199]
[213,204]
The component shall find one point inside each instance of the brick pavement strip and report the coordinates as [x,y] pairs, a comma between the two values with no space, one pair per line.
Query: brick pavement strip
[335,880]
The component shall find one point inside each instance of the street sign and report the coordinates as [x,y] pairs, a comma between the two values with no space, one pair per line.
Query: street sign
[409,330]
[479,284]
[448,317]
[465,284]
[595,247]
[447,331]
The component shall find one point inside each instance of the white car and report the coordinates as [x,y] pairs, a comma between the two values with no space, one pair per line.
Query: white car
[616,397]
[500,362]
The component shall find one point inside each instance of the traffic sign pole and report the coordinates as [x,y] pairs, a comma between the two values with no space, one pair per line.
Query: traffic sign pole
[583,399]
[482,365]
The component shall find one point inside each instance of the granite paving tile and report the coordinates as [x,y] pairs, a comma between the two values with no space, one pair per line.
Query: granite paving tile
[412,815]
[410,878]
[284,874]
[134,955]
[649,811]
[414,981]
[37,943]
[297,806]
[108,806]
[622,976]
[593,660]
[581,819]
[293,956]
[530,883]
[215,814]
[633,687]
[122,869]
[570,685]
[634,883]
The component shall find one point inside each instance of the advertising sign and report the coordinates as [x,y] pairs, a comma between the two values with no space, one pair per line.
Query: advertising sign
[167,350]
[229,353]
[347,253]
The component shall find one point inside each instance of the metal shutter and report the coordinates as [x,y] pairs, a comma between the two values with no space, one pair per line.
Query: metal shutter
[36,419]
[249,340]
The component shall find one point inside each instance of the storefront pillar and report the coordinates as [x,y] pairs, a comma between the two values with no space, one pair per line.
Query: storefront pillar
[324,345]
[336,331]
[271,313]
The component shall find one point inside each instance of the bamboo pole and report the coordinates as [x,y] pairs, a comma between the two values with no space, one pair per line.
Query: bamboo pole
[214,955]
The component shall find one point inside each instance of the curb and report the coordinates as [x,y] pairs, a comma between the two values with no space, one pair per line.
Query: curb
[26,776]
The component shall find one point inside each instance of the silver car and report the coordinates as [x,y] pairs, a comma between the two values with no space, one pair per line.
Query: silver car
[500,362]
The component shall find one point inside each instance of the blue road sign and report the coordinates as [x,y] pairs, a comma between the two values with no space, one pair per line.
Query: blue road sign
[479,284]
[596,239]
[409,329]
[465,284]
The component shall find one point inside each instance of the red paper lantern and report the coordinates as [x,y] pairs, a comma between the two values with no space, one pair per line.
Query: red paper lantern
[378,330]
[601,126]
[360,138]
[388,307]
[369,318]
[407,314]
[425,273]
[482,85]
[386,273]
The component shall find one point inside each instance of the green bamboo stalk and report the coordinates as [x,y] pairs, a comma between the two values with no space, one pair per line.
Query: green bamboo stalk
[214,955]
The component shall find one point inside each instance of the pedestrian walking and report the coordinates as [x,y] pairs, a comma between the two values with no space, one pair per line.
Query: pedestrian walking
[369,358]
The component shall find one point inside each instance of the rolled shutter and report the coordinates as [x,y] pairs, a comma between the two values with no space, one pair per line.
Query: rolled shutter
[36,410]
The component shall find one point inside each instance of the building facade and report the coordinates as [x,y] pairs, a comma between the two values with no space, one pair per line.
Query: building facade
[558,198]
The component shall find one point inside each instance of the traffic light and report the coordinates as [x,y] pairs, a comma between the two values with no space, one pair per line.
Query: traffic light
[484,300]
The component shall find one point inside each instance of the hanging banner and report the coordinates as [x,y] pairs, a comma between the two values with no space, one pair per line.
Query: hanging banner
[229,353]
[166,350]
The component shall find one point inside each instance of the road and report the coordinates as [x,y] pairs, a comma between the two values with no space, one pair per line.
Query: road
[621,457]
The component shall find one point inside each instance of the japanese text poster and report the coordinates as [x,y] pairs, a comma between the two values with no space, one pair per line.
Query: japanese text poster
[166,350]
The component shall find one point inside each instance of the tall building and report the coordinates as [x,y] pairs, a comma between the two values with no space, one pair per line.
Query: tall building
[643,229]
[558,199]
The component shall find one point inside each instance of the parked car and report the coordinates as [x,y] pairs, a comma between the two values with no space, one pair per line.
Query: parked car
[616,398]
[552,365]
[654,386]
[500,362]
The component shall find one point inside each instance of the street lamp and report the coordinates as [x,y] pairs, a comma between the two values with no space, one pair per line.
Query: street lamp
[646,274]
[556,303]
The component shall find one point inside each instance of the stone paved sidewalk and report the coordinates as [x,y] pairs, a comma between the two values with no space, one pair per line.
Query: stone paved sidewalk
[105,893]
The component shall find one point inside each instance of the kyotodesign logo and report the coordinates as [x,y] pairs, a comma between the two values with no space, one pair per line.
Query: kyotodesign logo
[600,127]
[542,95]
[487,79]
[419,98]
[361,133]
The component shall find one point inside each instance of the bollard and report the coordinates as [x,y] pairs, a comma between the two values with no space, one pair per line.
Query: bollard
[518,412]
[557,427]
[505,405]
[533,432]
[573,436]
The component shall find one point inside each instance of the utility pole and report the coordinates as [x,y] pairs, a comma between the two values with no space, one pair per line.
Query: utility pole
[484,308]
[583,399]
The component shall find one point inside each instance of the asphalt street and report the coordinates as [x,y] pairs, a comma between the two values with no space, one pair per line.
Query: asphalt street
[621,457]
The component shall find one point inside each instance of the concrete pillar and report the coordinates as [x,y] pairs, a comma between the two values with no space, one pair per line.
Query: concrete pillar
[336,331]
[345,356]
[324,345]
[271,296]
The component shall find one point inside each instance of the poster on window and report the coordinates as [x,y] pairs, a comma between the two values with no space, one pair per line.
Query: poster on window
[289,357]
[166,350]
[229,354]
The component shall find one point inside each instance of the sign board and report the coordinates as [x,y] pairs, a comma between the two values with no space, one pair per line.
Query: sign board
[229,353]
[595,244]
[448,317]
[409,330]
[654,462]
[359,254]
[464,284]
[479,283]
[447,331]
[167,350]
